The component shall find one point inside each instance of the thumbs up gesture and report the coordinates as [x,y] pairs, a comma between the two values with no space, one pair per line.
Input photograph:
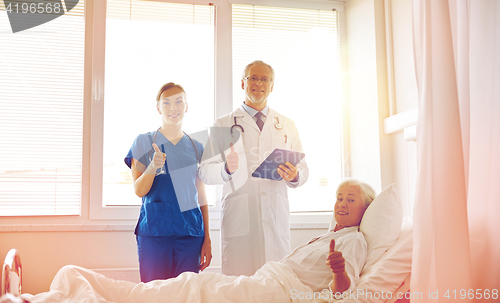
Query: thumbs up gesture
[158,158]
[335,259]
[232,160]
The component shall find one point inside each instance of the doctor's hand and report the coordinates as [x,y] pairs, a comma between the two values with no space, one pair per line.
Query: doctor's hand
[206,254]
[232,160]
[288,172]
[335,259]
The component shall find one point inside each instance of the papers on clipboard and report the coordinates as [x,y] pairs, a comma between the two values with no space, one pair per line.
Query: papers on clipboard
[268,169]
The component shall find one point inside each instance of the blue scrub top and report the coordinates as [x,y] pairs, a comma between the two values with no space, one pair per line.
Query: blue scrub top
[170,208]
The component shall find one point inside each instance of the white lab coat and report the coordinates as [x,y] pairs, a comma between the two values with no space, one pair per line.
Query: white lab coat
[255,214]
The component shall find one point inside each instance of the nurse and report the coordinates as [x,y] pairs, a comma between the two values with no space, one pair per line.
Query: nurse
[173,231]
[255,213]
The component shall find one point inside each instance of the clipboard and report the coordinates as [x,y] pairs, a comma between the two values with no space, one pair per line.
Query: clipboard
[268,169]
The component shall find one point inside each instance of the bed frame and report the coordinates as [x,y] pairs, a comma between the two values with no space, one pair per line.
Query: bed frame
[12,274]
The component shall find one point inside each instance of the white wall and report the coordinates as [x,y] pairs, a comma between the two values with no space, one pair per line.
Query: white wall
[374,43]
[405,99]
[44,253]
[375,157]
[404,67]
[370,149]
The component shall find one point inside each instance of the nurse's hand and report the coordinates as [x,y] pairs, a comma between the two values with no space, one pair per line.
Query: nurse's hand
[206,254]
[288,172]
[158,158]
[232,160]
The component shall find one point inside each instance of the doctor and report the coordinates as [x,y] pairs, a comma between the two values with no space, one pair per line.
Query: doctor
[255,215]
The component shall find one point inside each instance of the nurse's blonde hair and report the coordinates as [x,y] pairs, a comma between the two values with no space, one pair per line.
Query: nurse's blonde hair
[168,86]
[366,191]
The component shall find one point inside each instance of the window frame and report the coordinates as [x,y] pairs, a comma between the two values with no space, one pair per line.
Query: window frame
[97,211]
[223,96]
[37,44]
[124,217]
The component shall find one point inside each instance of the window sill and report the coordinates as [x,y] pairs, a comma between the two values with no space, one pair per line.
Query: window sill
[66,228]
[214,226]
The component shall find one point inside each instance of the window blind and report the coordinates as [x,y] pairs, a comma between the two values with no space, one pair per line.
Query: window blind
[302,46]
[160,11]
[280,34]
[41,116]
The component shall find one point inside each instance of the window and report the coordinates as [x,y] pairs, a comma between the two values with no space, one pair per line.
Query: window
[133,47]
[41,116]
[302,45]
[147,44]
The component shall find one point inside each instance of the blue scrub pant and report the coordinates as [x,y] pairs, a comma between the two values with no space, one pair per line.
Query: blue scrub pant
[167,257]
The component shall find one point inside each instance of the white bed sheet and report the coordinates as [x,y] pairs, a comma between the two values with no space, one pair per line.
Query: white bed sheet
[274,282]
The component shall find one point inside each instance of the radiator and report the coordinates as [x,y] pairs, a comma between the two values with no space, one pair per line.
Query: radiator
[132,274]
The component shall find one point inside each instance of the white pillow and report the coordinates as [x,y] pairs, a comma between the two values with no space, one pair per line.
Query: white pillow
[381,223]
[388,273]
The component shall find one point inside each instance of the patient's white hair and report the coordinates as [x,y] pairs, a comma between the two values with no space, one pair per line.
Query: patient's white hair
[367,192]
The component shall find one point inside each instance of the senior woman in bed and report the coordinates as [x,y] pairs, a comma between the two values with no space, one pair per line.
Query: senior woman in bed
[330,262]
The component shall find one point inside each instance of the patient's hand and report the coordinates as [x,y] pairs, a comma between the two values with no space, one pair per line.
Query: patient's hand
[335,260]
[340,280]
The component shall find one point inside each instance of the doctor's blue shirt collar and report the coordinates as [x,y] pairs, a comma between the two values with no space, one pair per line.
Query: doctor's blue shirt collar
[252,111]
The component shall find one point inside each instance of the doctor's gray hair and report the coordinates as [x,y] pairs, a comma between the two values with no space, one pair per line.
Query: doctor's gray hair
[247,68]
[366,191]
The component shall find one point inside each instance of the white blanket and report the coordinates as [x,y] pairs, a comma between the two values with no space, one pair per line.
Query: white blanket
[273,283]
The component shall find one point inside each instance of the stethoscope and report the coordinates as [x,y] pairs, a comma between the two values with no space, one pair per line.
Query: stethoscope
[154,141]
[278,126]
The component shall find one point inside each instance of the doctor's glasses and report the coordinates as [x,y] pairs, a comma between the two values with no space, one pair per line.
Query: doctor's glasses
[256,79]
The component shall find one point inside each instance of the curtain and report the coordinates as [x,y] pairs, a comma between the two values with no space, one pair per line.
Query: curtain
[456,254]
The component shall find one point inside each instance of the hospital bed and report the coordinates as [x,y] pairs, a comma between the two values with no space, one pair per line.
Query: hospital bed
[12,273]
[385,277]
